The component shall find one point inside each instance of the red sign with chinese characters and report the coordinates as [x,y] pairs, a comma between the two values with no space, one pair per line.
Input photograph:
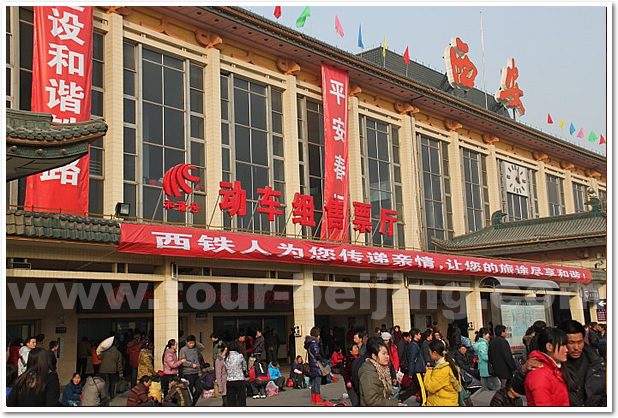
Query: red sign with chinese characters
[509,93]
[200,243]
[460,71]
[174,181]
[336,212]
[62,79]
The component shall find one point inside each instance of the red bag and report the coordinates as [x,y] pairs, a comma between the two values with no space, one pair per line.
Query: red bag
[289,383]
[406,381]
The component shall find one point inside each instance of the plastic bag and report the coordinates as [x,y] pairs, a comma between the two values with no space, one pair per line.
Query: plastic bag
[272,389]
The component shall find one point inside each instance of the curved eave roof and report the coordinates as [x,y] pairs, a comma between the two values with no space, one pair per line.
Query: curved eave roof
[542,234]
[34,144]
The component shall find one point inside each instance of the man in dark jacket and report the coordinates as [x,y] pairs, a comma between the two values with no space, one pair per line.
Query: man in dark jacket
[417,364]
[586,369]
[501,357]
[258,345]
[111,369]
[191,367]
[425,348]
[402,350]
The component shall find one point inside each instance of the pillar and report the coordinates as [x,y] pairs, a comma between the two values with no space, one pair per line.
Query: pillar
[113,159]
[401,304]
[410,183]
[493,181]
[212,93]
[576,305]
[304,310]
[290,149]
[165,311]
[457,192]
[474,307]
[354,161]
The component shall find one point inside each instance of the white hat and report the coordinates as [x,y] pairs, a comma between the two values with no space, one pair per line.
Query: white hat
[386,336]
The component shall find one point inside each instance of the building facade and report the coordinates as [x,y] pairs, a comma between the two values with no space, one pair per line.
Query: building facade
[240,99]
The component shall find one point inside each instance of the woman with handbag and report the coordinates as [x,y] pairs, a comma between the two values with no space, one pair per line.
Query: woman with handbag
[312,345]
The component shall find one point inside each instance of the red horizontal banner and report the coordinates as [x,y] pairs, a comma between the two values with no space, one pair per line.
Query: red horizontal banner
[203,243]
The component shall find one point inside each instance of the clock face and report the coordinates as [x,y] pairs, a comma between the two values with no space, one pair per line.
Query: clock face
[516,179]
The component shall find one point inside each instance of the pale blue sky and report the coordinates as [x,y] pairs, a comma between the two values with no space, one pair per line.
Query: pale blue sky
[560,51]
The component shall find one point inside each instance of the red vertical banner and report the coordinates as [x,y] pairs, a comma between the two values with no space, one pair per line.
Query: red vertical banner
[336,186]
[62,80]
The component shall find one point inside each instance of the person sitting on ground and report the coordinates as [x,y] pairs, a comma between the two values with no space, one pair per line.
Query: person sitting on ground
[506,396]
[138,395]
[73,391]
[178,393]
[336,360]
[296,374]
[94,392]
[275,375]
[259,377]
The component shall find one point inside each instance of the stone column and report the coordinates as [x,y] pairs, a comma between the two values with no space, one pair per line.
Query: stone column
[401,304]
[474,307]
[410,182]
[576,305]
[212,108]
[457,186]
[290,149]
[113,160]
[541,181]
[493,181]
[304,310]
[165,311]
[354,160]
[569,204]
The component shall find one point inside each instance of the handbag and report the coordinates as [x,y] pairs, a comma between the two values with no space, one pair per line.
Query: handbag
[323,365]
[464,395]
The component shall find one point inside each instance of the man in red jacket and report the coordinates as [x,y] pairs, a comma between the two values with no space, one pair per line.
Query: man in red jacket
[138,396]
[133,348]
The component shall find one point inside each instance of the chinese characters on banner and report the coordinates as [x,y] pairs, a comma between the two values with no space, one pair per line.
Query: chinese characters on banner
[460,71]
[509,93]
[335,97]
[201,243]
[62,78]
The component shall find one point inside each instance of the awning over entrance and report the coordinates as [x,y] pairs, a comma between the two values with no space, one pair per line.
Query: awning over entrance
[516,283]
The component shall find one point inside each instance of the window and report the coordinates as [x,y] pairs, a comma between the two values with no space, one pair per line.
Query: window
[311,156]
[518,188]
[252,130]
[579,197]
[476,191]
[10,59]
[95,190]
[437,202]
[381,173]
[163,127]
[555,195]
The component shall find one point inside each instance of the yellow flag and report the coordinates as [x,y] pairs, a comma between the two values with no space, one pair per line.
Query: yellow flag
[562,123]
[384,48]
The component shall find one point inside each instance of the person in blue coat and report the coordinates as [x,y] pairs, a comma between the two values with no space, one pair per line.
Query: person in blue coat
[73,391]
[275,375]
[482,351]
[312,345]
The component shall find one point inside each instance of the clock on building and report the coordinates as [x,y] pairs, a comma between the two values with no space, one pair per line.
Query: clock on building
[516,178]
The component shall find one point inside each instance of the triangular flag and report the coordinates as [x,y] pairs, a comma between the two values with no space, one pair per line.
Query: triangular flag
[549,120]
[561,123]
[384,48]
[300,22]
[360,37]
[592,137]
[406,56]
[338,27]
[277,12]
[572,129]
[602,141]
[580,134]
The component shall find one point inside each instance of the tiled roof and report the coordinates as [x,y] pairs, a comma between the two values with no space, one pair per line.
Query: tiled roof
[432,78]
[557,232]
[36,129]
[61,226]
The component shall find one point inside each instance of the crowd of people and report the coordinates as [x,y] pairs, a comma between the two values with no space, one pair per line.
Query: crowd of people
[565,366]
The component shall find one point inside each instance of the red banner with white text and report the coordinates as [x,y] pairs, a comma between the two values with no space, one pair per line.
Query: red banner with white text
[335,219]
[62,78]
[200,243]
